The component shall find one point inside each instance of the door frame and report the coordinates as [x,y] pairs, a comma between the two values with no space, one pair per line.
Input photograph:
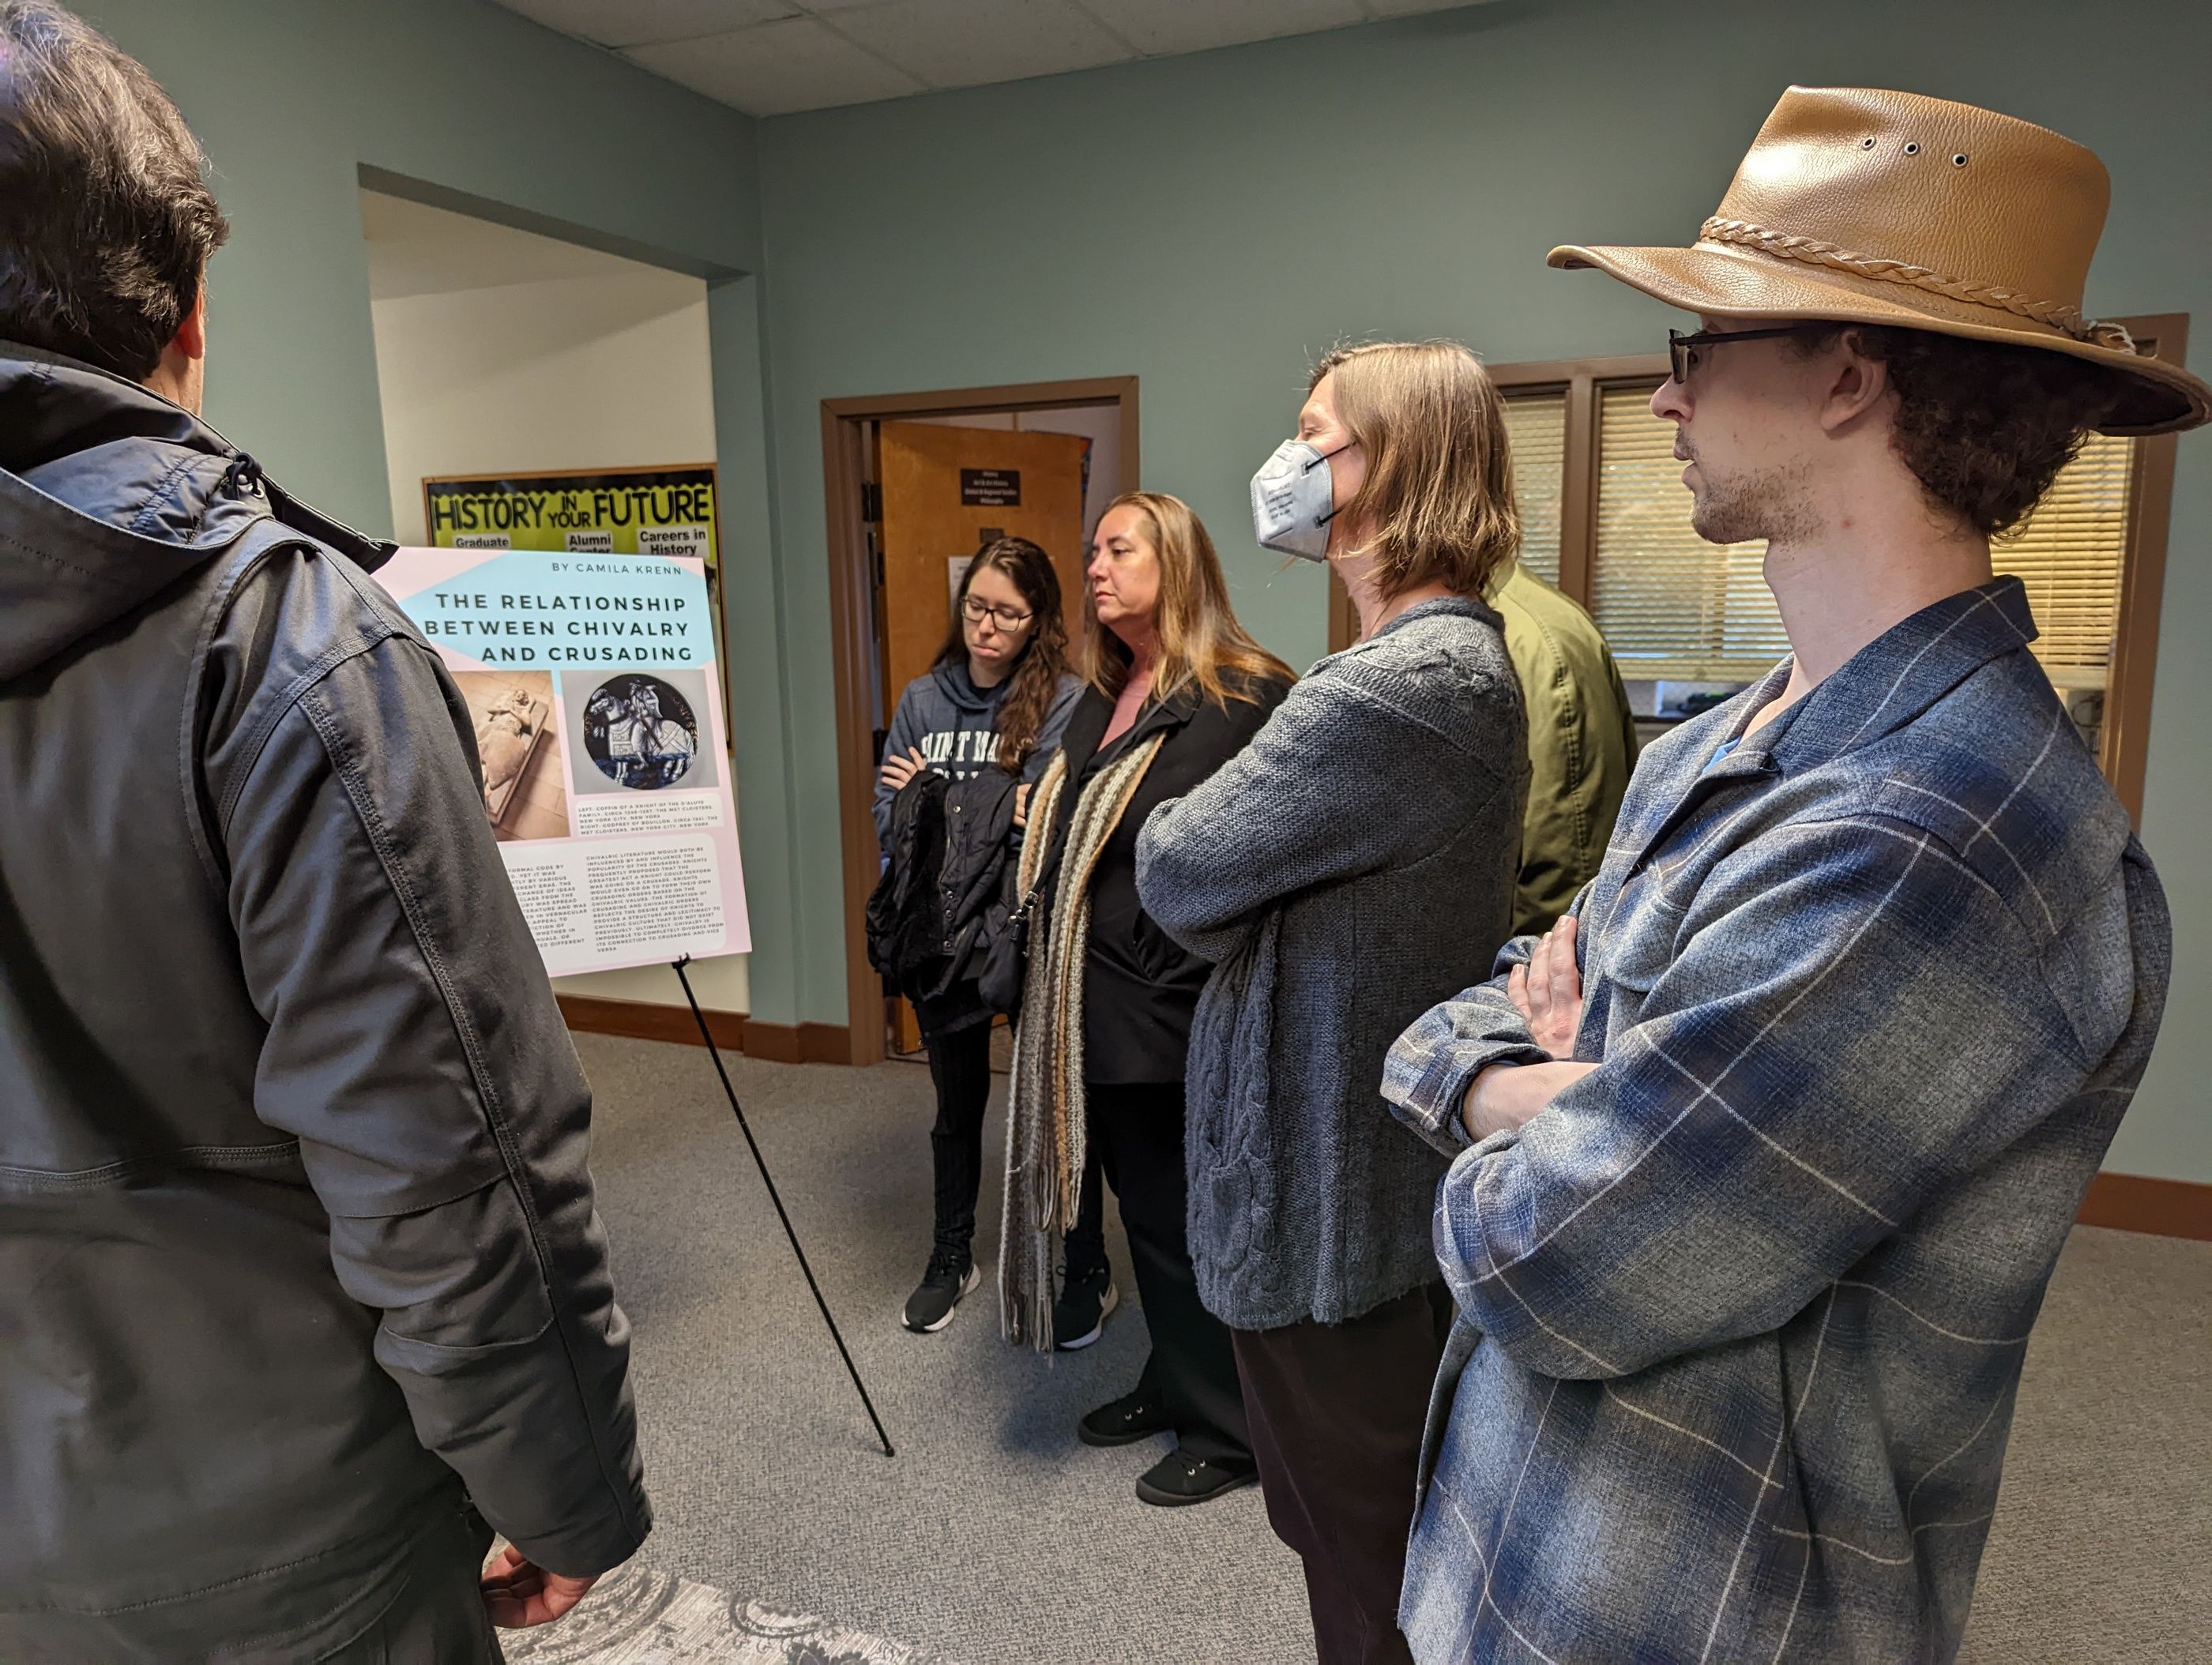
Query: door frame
[852,637]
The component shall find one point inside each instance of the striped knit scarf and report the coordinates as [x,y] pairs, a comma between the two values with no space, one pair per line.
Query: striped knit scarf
[1044,1122]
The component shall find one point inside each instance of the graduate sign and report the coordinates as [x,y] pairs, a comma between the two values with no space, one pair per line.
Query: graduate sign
[591,684]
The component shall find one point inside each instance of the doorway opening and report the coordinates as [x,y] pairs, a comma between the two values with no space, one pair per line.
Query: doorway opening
[915,484]
[505,352]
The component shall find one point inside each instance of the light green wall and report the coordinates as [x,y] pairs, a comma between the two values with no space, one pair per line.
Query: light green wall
[290,97]
[461,103]
[1208,223]
[1211,222]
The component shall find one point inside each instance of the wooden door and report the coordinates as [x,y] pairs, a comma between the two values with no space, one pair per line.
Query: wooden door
[947,492]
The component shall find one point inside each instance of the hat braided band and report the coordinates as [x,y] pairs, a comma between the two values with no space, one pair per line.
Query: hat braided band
[1814,252]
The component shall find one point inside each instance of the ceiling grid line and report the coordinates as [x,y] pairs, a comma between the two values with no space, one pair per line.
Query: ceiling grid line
[770,57]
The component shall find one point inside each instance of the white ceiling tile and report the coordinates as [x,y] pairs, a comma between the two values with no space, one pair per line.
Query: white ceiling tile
[1408,8]
[776,56]
[965,43]
[643,22]
[775,69]
[1161,27]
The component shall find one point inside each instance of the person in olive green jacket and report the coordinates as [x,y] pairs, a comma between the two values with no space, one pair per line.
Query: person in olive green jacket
[1582,742]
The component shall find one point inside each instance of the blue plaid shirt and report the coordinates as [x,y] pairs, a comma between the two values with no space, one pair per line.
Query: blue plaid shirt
[1743,1312]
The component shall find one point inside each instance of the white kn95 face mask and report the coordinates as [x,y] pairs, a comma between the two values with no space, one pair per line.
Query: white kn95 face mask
[1293,500]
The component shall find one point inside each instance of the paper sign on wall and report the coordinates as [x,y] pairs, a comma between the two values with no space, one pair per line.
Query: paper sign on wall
[635,511]
[592,682]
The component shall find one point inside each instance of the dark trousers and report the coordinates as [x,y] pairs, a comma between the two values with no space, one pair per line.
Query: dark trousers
[1136,1137]
[960,1064]
[1337,1412]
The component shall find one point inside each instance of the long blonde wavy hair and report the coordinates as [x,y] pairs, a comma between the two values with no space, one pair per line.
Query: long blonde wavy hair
[1199,639]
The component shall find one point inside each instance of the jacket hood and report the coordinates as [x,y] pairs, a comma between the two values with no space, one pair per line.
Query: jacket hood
[957,685]
[109,494]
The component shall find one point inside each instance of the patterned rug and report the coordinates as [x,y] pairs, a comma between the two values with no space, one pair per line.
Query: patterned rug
[634,1616]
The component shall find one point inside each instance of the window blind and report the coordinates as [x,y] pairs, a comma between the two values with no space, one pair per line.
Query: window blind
[1536,429]
[2069,555]
[1671,604]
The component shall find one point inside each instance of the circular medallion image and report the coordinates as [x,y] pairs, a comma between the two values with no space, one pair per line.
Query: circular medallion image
[641,732]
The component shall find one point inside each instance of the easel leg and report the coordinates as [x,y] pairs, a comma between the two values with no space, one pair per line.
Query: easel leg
[731,1092]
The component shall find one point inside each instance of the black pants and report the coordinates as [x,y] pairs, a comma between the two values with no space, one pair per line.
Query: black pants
[960,1064]
[1136,1136]
[1337,1412]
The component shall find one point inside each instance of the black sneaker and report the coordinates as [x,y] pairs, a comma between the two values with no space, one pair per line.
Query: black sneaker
[1130,1417]
[951,1274]
[1176,1480]
[1078,1316]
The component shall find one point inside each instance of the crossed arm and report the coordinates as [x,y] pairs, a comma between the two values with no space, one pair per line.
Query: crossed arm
[1843,1022]
[1547,992]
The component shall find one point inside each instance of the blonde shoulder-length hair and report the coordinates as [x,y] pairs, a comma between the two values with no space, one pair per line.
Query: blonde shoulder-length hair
[1437,502]
[1200,640]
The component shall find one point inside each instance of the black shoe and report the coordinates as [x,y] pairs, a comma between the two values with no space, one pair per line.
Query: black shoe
[1127,1419]
[1078,1316]
[1176,1480]
[951,1274]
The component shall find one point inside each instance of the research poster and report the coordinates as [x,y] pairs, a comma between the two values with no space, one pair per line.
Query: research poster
[591,684]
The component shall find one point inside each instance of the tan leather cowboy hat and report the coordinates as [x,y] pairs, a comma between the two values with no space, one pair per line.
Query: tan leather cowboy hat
[1888,208]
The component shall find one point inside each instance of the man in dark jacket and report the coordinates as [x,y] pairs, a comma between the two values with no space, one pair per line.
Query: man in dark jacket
[300,1281]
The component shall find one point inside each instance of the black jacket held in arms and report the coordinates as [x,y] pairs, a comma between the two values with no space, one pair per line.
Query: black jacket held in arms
[296,1237]
[945,892]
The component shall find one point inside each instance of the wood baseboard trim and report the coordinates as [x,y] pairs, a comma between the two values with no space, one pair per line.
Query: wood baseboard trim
[798,1043]
[2136,1202]
[647,1020]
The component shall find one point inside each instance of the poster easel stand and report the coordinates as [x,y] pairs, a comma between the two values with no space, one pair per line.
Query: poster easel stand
[731,1093]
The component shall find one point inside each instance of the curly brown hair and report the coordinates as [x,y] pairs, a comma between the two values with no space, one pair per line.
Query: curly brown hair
[1036,674]
[1983,426]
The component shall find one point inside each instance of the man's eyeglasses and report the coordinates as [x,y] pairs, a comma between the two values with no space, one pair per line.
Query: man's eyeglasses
[1005,618]
[1682,350]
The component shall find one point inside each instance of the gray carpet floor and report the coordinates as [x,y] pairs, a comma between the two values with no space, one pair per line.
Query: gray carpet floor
[996,1536]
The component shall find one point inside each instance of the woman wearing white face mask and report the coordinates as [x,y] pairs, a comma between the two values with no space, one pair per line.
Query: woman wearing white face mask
[1353,863]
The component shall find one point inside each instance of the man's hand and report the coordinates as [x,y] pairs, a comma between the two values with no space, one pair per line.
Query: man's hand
[519,1595]
[1549,990]
[897,771]
[1506,1095]
[1022,805]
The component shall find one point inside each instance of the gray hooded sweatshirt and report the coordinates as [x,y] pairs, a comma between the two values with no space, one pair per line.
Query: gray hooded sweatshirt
[297,1241]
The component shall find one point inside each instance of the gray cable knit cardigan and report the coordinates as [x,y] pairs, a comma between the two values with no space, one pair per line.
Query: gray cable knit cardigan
[1348,870]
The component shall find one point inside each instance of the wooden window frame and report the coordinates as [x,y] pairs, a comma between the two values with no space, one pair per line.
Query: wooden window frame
[2129,685]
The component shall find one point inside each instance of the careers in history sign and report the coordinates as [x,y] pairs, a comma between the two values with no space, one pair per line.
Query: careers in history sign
[591,680]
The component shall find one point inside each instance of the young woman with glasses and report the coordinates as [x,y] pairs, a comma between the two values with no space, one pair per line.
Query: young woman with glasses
[997,697]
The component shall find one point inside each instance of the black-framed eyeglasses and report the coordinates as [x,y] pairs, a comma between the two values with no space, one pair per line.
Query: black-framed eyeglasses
[1681,349]
[1003,617]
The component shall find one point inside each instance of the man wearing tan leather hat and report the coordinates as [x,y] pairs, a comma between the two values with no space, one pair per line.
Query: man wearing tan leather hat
[1766,1152]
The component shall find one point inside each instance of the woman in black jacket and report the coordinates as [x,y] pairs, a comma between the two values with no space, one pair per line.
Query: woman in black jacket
[996,698]
[1176,690]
